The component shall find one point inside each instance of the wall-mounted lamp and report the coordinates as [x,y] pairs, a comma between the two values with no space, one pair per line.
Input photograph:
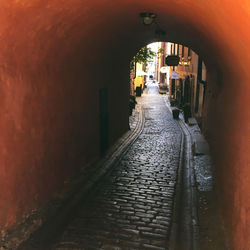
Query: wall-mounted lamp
[147,18]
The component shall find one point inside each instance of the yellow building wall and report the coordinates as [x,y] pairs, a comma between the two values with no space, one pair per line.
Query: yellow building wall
[139,80]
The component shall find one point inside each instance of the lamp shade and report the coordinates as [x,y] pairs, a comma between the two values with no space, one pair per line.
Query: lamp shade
[147,18]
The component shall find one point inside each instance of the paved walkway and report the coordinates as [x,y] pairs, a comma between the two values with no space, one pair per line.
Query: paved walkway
[132,207]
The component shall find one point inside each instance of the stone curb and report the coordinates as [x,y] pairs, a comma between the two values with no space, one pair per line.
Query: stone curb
[189,177]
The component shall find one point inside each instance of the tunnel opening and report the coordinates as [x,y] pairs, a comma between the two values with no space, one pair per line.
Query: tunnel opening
[185,82]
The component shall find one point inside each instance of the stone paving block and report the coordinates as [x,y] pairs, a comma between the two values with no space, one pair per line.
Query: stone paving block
[153,235]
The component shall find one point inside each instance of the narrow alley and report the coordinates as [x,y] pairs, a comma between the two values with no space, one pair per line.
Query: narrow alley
[69,74]
[132,207]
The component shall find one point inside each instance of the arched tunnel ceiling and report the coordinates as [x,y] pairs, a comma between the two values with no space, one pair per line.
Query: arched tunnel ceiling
[56,30]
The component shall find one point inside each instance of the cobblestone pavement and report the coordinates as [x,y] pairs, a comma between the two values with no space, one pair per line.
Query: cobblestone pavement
[132,207]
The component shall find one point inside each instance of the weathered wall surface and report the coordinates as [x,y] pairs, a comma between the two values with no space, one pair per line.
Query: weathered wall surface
[54,57]
[50,74]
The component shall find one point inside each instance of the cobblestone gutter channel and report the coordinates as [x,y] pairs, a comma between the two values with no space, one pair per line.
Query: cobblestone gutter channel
[188,231]
[185,229]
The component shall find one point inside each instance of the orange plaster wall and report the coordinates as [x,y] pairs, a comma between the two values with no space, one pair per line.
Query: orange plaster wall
[50,77]
[54,57]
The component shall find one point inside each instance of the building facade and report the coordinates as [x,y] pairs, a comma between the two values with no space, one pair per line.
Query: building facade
[188,80]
